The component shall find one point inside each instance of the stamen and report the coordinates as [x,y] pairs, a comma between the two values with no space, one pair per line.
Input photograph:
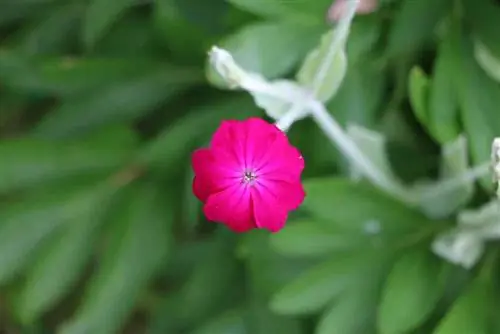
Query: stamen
[249,177]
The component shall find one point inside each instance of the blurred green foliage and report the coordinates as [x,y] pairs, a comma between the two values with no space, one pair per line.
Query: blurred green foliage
[101,103]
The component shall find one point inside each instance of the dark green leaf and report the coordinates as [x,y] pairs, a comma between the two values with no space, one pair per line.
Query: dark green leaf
[60,263]
[470,311]
[24,225]
[27,163]
[314,289]
[418,87]
[139,244]
[100,16]
[358,207]
[417,281]
[232,322]
[403,37]
[483,16]
[124,101]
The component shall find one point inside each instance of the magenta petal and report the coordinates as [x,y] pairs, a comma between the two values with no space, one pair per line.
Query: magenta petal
[268,212]
[289,195]
[232,207]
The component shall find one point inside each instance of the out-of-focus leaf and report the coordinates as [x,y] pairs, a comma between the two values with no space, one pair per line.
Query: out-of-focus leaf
[314,289]
[184,39]
[489,62]
[363,37]
[483,16]
[63,77]
[403,37]
[232,322]
[14,10]
[219,272]
[302,11]
[176,140]
[479,97]
[60,263]
[470,312]
[262,321]
[24,225]
[100,16]
[310,239]
[419,86]
[358,207]
[324,69]
[354,311]
[270,49]
[124,101]
[443,100]
[27,163]
[131,37]
[417,281]
[138,246]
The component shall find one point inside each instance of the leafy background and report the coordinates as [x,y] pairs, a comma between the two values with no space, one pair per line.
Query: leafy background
[101,103]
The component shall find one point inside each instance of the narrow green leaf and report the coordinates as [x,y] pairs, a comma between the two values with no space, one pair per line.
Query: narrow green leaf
[232,322]
[325,67]
[308,238]
[314,289]
[417,282]
[140,242]
[100,16]
[425,14]
[24,225]
[357,207]
[27,163]
[60,263]
[124,101]
[419,86]
[470,312]
[270,49]
[443,100]
[354,311]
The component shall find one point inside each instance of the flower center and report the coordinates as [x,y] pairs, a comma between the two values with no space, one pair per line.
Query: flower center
[249,177]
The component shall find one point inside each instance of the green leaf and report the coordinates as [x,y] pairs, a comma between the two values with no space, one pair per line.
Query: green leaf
[100,16]
[403,37]
[25,224]
[64,77]
[55,33]
[300,11]
[177,139]
[479,96]
[308,238]
[488,62]
[139,244]
[65,256]
[232,322]
[470,312]
[28,163]
[483,16]
[357,207]
[364,34]
[314,289]
[417,282]
[443,100]
[14,11]
[325,67]
[124,101]
[419,90]
[354,311]
[270,49]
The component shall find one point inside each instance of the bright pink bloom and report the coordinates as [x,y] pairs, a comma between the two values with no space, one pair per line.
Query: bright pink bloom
[249,177]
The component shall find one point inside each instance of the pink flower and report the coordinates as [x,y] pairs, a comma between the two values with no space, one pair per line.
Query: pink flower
[249,177]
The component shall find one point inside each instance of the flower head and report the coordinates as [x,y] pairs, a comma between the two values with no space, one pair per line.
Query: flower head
[249,177]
